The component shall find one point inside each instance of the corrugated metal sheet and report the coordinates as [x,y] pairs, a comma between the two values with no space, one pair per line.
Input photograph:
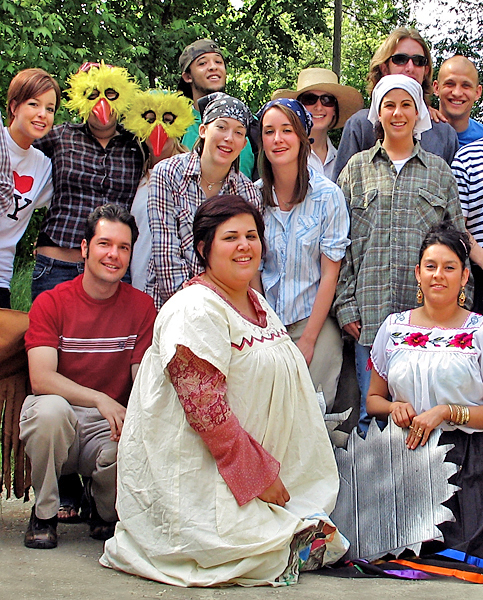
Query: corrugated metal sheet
[390,497]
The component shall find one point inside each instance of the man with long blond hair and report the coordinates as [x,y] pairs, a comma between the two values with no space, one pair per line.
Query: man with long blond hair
[403,52]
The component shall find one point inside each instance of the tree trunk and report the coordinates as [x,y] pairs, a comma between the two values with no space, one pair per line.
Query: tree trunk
[336,48]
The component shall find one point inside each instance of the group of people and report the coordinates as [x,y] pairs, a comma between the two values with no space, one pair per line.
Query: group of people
[225,472]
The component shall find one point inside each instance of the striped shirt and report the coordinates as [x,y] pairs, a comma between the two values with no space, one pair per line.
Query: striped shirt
[468,171]
[295,243]
[174,194]
[390,215]
[97,341]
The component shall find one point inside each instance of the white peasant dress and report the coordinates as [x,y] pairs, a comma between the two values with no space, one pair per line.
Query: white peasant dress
[179,522]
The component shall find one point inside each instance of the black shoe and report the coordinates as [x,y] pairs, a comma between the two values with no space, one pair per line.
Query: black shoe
[41,533]
[100,529]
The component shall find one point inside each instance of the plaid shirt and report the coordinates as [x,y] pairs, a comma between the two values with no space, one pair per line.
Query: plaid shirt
[390,215]
[173,197]
[86,175]
[6,180]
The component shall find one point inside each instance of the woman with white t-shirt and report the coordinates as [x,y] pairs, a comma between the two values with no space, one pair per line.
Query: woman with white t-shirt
[32,100]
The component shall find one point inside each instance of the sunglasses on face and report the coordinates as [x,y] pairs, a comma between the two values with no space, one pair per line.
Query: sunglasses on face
[310,99]
[402,59]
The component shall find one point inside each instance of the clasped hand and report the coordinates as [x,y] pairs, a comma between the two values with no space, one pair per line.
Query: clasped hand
[420,426]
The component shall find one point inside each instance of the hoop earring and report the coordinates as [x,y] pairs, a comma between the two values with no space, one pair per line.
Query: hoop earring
[462,297]
[419,295]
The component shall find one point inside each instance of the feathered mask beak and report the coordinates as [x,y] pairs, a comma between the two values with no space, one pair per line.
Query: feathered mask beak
[157,116]
[102,90]
[102,110]
[158,138]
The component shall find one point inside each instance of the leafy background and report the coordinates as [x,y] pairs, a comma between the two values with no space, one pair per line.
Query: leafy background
[267,42]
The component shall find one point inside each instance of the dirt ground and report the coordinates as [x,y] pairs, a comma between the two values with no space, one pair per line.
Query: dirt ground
[72,571]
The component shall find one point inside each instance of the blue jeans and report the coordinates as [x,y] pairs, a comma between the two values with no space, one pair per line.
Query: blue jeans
[48,272]
[363,379]
[363,354]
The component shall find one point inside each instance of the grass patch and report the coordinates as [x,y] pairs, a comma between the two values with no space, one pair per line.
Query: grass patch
[21,286]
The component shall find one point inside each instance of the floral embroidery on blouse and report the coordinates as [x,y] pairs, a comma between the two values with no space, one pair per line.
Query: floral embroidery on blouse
[421,340]
[416,339]
[201,389]
[462,340]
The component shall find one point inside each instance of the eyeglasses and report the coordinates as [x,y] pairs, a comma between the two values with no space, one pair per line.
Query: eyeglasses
[310,99]
[402,59]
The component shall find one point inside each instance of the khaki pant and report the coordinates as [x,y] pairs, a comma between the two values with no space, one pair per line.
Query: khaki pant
[327,359]
[61,439]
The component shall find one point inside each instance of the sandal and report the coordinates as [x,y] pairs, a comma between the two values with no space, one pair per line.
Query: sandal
[70,493]
[67,513]
[41,533]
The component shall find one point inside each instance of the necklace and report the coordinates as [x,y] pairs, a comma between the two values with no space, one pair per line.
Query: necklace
[211,184]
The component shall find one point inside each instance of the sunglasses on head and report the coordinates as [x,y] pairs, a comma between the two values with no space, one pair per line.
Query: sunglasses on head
[402,59]
[310,99]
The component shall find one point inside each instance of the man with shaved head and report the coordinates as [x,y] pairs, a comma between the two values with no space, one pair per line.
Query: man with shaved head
[458,89]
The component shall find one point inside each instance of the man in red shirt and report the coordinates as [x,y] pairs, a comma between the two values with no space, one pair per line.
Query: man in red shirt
[85,342]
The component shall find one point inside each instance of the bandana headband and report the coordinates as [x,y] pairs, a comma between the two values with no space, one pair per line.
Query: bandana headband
[220,105]
[294,105]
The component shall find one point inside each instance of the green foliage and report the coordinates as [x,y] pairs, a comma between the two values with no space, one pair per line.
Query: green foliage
[26,245]
[267,40]
[267,43]
[20,287]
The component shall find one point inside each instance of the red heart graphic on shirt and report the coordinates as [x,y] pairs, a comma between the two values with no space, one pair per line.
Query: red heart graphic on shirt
[23,183]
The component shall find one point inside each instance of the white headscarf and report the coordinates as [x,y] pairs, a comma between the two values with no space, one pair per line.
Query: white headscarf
[414,89]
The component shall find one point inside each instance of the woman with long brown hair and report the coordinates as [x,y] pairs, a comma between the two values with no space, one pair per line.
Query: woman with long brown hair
[307,226]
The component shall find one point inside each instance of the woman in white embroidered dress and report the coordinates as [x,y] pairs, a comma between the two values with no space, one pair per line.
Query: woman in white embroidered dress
[307,227]
[226,472]
[429,361]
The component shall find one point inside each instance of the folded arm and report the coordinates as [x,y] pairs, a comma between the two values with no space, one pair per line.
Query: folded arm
[247,468]
[45,379]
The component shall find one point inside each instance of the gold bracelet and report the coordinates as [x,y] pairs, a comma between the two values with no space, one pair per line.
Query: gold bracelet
[458,414]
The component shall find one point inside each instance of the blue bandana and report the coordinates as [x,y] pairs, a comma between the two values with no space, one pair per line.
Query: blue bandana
[298,108]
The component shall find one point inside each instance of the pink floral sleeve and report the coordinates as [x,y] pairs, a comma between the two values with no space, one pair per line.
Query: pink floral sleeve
[246,467]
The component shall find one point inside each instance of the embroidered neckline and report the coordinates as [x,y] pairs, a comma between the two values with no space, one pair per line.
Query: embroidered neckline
[464,325]
[261,313]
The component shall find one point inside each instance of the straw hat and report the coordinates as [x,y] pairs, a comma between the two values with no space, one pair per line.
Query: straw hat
[348,98]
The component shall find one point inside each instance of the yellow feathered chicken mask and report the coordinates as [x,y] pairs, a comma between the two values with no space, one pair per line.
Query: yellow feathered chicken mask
[157,116]
[101,89]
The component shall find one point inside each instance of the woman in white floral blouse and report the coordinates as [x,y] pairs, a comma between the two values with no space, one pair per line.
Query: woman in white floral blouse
[429,361]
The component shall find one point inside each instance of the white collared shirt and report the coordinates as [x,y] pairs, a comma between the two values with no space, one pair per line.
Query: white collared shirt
[326,168]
